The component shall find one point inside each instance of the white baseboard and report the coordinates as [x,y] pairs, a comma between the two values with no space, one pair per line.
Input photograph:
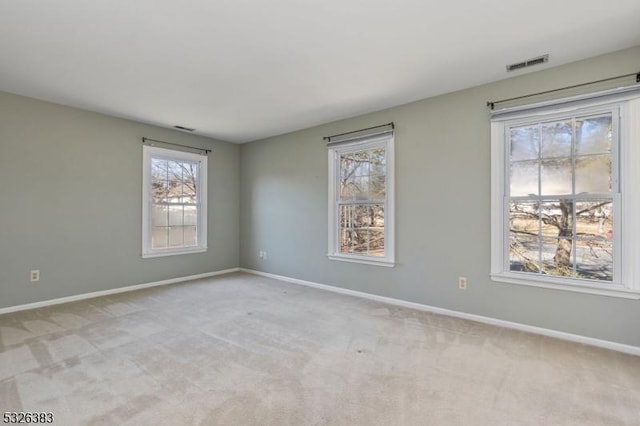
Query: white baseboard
[619,347]
[113,291]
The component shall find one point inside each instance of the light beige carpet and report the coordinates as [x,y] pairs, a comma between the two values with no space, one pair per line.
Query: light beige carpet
[244,350]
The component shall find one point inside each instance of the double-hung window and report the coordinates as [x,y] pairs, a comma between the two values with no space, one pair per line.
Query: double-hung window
[565,197]
[361,200]
[174,219]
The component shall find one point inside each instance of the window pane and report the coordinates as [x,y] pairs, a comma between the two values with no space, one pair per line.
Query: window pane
[557,257]
[174,169]
[159,237]
[377,215]
[352,221]
[360,241]
[593,135]
[355,189]
[376,242]
[190,236]
[345,216]
[525,142]
[349,168]
[159,184]
[523,253]
[190,215]
[176,236]
[351,240]
[189,183]
[158,169]
[594,259]
[556,177]
[175,215]
[593,174]
[556,139]
[594,219]
[362,188]
[524,217]
[160,216]
[378,162]
[189,197]
[354,164]
[557,218]
[524,178]
[348,190]
[377,187]
[174,175]
[362,229]
[363,163]
[362,175]
[355,216]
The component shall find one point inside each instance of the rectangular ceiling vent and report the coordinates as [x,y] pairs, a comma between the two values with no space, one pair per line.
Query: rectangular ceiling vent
[186,129]
[528,63]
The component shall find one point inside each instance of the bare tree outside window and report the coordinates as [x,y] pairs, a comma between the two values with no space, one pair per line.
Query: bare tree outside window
[561,202]
[361,202]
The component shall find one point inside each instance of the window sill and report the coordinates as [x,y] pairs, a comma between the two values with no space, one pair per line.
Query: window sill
[364,260]
[174,252]
[613,290]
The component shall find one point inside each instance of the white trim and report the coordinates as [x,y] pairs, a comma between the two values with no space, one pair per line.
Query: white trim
[149,152]
[497,199]
[171,252]
[125,289]
[619,347]
[630,206]
[626,195]
[559,283]
[368,260]
[386,141]
[331,204]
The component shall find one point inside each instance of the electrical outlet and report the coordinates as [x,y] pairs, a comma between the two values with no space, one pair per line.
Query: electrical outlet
[34,275]
[462,283]
[264,255]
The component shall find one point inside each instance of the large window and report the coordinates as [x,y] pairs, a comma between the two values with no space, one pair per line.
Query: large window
[174,202]
[361,200]
[564,198]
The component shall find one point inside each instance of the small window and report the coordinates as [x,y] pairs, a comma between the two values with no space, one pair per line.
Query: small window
[361,200]
[174,202]
[563,201]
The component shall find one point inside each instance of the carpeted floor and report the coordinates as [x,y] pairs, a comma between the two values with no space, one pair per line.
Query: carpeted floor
[245,350]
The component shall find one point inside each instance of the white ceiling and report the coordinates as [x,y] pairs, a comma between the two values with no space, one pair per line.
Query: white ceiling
[242,70]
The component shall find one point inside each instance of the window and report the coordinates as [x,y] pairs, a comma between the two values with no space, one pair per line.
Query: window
[563,202]
[174,217]
[361,200]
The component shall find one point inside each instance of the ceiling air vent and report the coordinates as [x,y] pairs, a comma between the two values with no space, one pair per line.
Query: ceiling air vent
[528,63]
[186,129]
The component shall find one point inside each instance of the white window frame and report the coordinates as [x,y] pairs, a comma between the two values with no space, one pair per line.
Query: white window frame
[386,142]
[626,103]
[152,152]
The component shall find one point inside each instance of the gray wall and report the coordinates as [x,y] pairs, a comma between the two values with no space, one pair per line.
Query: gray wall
[71,203]
[442,168]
